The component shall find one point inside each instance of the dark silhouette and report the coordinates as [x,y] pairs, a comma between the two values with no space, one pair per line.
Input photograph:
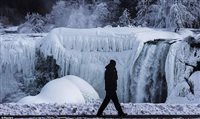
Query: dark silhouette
[111,87]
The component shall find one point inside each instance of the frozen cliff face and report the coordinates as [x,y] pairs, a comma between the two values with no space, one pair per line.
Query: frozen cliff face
[182,61]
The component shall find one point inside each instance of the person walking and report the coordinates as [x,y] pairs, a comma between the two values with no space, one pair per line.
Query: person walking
[111,88]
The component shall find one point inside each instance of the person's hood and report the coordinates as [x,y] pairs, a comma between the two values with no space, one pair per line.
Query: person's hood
[109,66]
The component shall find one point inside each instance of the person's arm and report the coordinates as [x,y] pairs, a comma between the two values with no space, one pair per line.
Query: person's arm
[116,76]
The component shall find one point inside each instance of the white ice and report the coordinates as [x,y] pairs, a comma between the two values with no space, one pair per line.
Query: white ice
[85,52]
[80,52]
[68,89]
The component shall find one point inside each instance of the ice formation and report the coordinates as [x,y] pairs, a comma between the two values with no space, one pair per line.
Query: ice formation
[17,57]
[68,89]
[151,63]
[182,94]
[85,53]
[181,61]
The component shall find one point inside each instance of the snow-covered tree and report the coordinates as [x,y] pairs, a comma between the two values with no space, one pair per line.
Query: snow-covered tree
[35,23]
[168,13]
[179,16]
[125,20]
[144,8]
[193,7]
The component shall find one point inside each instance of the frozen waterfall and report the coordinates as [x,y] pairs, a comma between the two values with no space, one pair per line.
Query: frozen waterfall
[147,68]
[148,82]
[17,58]
[86,52]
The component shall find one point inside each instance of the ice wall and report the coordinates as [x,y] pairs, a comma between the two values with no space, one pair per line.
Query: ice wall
[17,57]
[149,70]
[86,52]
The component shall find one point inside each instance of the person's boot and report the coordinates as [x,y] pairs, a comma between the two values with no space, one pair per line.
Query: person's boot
[122,114]
[99,114]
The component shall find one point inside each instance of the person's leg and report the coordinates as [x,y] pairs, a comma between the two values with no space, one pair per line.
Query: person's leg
[116,103]
[103,105]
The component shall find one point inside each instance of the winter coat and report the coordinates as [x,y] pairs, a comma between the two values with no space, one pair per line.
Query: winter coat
[110,78]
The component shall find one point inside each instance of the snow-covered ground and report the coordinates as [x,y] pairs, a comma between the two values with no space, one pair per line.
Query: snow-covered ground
[92,107]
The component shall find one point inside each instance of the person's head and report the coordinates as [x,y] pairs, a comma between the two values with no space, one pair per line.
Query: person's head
[113,63]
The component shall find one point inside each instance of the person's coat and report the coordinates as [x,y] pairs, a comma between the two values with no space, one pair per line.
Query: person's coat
[110,78]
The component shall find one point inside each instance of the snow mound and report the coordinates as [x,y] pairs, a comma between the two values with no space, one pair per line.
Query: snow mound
[68,89]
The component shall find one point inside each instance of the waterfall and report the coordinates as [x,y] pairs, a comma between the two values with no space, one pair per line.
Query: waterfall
[17,58]
[148,82]
[145,66]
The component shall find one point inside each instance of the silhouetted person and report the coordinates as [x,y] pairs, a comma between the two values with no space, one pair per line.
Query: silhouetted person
[111,87]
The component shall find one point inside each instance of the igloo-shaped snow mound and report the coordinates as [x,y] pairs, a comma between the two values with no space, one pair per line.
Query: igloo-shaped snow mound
[69,89]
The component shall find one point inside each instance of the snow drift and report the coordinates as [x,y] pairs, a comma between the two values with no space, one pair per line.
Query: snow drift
[68,89]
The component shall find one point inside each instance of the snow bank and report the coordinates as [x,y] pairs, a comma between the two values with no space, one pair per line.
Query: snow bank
[69,89]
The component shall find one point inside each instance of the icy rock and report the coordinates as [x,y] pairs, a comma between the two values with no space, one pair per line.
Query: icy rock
[195,80]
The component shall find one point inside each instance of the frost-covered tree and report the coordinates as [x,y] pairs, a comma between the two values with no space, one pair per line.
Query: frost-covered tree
[35,23]
[130,5]
[168,13]
[145,8]
[179,16]
[125,20]
[193,7]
